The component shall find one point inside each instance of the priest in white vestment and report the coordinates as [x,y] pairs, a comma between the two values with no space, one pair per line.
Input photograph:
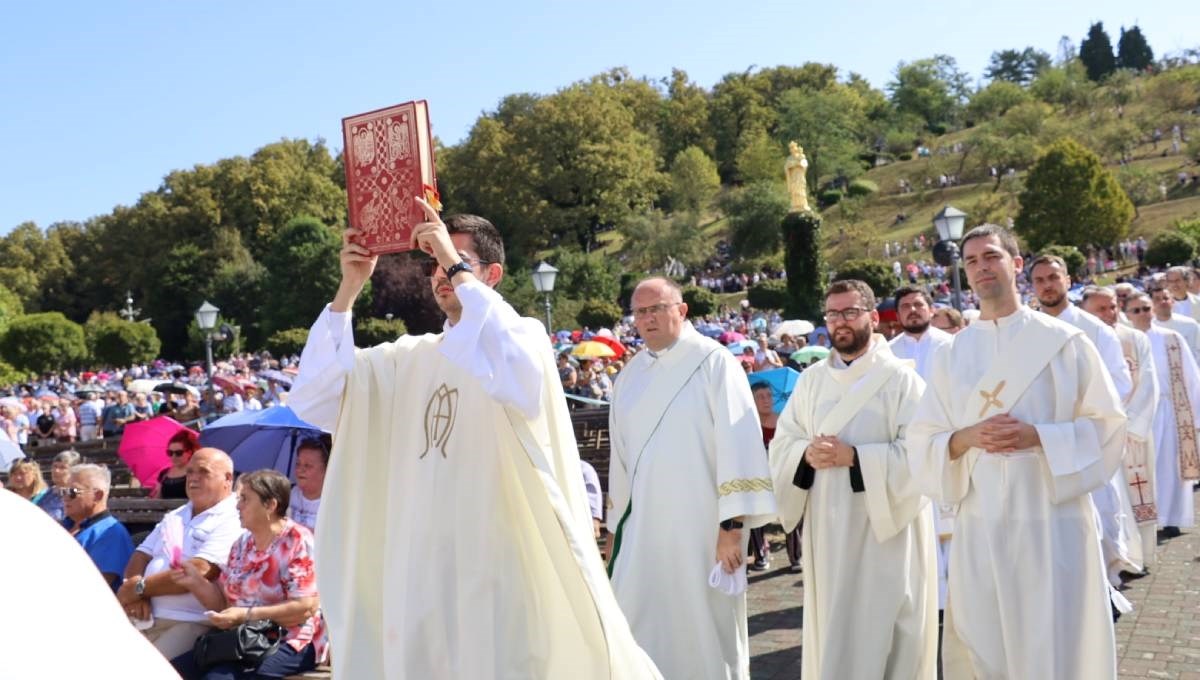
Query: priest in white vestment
[1177,421]
[918,343]
[1140,407]
[1166,316]
[1018,423]
[688,478]
[1179,280]
[1051,281]
[455,528]
[840,466]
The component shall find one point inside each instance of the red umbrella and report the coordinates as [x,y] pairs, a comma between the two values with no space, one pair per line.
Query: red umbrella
[228,384]
[612,344]
[144,447]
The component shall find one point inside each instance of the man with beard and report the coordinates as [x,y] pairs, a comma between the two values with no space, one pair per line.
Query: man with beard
[1179,280]
[1177,421]
[919,341]
[1050,284]
[687,474]
[1165,316]
[1140,407]
[840,466]
[1019,422]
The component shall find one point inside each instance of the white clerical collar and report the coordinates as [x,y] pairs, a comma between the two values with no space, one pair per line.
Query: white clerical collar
[656,355]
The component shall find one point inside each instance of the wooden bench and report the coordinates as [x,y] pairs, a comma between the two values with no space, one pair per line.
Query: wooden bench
[321,672]
[140,514]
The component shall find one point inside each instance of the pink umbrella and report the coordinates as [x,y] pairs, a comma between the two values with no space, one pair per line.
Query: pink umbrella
[730,336]
[144,447]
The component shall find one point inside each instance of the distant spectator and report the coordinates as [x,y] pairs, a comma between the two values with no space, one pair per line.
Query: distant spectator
[142,410]
[25,479]
[172,481]
[312,459]
[44,425]
[60,480]
[591,484]
[91,412]
[103,538]
[189,411]
[117,415]
[252,402]
[65,423]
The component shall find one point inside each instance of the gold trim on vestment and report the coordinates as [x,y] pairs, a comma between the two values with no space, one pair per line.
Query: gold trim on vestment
[745,486]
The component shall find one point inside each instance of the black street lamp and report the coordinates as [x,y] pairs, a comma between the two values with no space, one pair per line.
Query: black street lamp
[206,319]
[543,282]
[949,224]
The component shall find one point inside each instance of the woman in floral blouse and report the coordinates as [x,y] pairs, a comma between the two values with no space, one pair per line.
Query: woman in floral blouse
[269,576]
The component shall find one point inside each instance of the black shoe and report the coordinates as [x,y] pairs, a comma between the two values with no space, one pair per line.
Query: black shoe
[1134,575]
[758,566]
[1170,532]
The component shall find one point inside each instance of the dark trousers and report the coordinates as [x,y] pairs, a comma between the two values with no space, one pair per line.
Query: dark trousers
[284,662]
[760,547]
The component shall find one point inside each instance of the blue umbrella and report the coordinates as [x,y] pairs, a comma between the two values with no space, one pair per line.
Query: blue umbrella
[741,345]
[781,380]
[259,439]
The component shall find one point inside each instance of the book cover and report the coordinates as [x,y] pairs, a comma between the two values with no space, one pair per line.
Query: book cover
[389,162]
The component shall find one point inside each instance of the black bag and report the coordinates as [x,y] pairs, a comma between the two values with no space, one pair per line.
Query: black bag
[245,645]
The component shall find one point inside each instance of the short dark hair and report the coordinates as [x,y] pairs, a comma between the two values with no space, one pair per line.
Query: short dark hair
[269,485]
[1093,291]
[488,244]
[1007,240]
[853,286]
[761,385]
[322,445]
[905,291]
[1135,295]
[1047,258]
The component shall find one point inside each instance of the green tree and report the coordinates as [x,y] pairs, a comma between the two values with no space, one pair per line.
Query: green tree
[736,108]
[1096,53]
[369,332]
[805,265]
[1019,67]
[755,213]
[303,273]
[760,158]
[1070,198]
[653,238]
[596,314]
[1066,85]
[113,341]
[10,307]
[586,276]
[932,89]
[769,294]
[875,273]
[1170,248]
[995,100]
[287,342]
[43,343]
[1070,254]
[1140,184]
[694,181]
[1133,52]
[684,121]
[10,376]
[700,301]
[830,125]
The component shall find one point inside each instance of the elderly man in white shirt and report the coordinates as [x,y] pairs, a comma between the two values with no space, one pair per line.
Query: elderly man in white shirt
[202,532]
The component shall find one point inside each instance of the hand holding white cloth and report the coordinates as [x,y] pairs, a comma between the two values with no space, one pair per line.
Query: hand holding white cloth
[730,584]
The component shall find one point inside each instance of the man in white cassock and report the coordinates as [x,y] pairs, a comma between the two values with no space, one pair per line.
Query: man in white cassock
[1186,303]
[918,343]
[1140,407]
[1118,532]
[1166,316]
[840,466]
[1018,423]
[688,478]
[453,501]
[1177,421]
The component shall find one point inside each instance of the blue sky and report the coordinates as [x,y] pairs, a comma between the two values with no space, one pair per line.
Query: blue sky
[99,100]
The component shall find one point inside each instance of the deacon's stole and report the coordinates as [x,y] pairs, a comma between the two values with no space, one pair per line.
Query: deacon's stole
[1185,420]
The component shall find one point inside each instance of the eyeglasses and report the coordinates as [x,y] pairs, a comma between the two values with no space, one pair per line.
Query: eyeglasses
[848,314]
[73,492]
[430,265]
[1137,310]
[654,310]
[176,452]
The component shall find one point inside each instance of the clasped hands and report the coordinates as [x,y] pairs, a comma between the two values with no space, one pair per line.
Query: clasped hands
[828,452]
[1000,434]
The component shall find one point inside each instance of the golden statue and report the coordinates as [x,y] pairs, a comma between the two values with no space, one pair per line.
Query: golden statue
[795,168]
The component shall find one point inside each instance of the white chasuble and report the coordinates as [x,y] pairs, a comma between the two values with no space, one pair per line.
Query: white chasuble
[870,568]
[1028,594]
[687,454]
[1140,407]
[460,524]
[1186,327]
[1174,422]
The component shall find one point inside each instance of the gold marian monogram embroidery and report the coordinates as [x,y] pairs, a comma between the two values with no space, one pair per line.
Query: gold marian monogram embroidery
[440,413]
[991,398]
[745,485]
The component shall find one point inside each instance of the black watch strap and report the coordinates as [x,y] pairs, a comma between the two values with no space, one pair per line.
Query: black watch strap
[731,524]
[455,269]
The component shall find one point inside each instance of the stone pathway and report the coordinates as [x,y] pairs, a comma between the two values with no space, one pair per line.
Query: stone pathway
[1160,638]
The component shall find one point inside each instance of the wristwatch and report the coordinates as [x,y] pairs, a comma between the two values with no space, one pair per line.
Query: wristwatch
[731,524]
[139,588]
[455,269]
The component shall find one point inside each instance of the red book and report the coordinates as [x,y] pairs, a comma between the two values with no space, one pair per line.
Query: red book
[389,162]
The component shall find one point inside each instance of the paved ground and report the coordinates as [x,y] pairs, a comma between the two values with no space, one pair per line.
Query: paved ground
[1159,639]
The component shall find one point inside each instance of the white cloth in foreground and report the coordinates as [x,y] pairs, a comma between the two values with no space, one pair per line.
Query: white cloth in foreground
[870,570]
[1176,506]
[725,582]
[1028,597]
[39,551]
[687,454]
[455,506]
[1140,407]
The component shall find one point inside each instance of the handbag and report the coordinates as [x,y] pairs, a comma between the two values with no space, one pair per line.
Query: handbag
[245,645]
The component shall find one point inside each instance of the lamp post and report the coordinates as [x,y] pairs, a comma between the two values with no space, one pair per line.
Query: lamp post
[206,319]
[543,282]
[949,224]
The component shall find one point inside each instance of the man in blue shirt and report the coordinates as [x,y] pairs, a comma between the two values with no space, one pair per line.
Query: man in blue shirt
[117,415]
[103,538]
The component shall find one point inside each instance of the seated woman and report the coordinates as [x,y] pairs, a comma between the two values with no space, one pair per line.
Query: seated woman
[25,479]
[269,576]
[172,481]
[312,459]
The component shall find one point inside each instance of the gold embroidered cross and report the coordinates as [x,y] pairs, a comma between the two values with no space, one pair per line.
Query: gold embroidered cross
[990,398]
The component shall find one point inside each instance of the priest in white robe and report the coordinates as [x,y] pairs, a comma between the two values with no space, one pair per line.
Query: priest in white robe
[1019,422]
[453,501]
[918,343]
[840,466]
[1051,281]
[1177,420]
[688,478]
[1140,406]
[1166,317]
[1179,282]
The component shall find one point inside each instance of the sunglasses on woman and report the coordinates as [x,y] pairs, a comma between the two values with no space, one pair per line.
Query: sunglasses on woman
[176,452]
